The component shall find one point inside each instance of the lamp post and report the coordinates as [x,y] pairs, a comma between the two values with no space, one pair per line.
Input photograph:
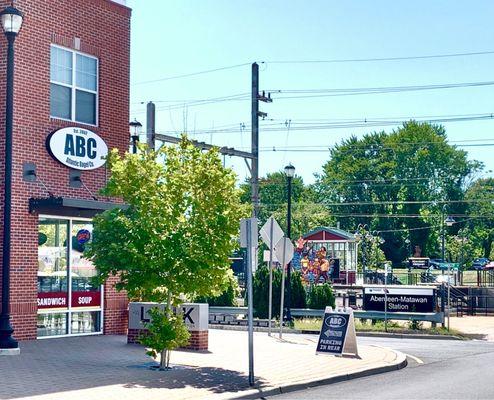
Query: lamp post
[11,19]
[448,221]
[361,238]
[290,173]
[135,130]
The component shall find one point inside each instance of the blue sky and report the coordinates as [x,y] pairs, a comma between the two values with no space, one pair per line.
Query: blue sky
[171,38]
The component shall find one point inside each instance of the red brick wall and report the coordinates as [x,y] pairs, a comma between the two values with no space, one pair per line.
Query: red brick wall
[104,31]
[199,340]
[116,310]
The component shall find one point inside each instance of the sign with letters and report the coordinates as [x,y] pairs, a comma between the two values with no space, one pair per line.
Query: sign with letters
[400,299]
[52,300]
[337,335]
[77,148]
[86,299]
[195,315]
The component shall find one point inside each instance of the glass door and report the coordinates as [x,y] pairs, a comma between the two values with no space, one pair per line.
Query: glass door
[85,296]
[69,303]
[53,300]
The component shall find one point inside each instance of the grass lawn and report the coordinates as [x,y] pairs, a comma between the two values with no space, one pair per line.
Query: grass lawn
[314,324]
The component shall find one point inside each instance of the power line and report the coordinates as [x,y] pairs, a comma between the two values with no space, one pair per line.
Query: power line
[377,59]
[306,93]
[399,202]
[394,202]
[362,123]
[283,149]
[207,71]
[348,60]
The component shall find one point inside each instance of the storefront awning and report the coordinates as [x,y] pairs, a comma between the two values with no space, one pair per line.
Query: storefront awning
[67,207]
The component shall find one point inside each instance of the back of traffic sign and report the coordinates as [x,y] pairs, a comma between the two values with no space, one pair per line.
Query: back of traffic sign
[284,250]
[271,232]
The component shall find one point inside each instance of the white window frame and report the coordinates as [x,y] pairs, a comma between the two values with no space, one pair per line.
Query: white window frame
[69,310]
[73,88]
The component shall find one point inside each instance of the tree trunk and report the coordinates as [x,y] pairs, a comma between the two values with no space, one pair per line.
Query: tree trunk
[163,359]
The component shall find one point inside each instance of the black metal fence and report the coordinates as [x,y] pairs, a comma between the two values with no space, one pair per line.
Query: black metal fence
[418,277]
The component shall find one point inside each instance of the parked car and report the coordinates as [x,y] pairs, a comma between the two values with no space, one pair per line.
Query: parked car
[480,263]
[445,279]
[489,266]
[434,262]
[439,263]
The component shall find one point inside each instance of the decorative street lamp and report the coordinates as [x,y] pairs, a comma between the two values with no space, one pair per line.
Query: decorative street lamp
[448,221]
[135,130]
[361,238]
[290,173]
[11,20]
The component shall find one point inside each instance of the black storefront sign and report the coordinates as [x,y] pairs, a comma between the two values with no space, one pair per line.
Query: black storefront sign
[400,299]
[337,333]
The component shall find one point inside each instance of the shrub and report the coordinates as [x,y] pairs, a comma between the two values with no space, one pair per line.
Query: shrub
[321,296]
[261,292]
[165,333]
[226,299]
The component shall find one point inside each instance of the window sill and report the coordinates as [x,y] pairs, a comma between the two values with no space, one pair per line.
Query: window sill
[68,122]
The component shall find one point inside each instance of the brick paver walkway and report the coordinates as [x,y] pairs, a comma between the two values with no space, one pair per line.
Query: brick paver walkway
[105,367]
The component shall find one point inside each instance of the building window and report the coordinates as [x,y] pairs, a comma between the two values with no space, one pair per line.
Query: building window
[73,86]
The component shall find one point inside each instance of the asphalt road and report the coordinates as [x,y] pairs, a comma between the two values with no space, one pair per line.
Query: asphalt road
[437,369]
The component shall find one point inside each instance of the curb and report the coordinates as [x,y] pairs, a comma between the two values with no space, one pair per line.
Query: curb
[359,333]
[409,336]
[260,393]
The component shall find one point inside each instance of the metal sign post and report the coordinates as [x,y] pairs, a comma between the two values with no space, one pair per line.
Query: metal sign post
[386,271]
[248,239]
[271,233]
[284,252]
[282,287]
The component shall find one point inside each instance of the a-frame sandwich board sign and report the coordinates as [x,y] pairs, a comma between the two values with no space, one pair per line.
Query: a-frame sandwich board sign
[337,335]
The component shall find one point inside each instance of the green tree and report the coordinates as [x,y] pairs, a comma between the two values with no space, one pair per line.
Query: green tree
[272,193]
[462,248]
[307,212]
[181,224]
[481,205]
[228,298]
[410,171]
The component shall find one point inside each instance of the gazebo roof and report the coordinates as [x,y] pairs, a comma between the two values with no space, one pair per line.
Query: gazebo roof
[325,233]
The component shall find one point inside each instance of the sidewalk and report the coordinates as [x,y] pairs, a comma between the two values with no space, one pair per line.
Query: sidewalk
[480,326]
[105,367]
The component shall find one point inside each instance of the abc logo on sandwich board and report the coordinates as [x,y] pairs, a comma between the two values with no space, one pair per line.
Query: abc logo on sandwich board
[337,333]
[77,148]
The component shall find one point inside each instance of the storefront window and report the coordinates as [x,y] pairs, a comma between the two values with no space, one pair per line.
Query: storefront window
[86,322]
[65,279]
[82,269]
[52,324]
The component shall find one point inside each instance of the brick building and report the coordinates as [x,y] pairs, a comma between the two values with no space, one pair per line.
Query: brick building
[71,97]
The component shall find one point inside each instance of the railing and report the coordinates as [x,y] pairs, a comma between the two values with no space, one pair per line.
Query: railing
[437,317]
[419,277]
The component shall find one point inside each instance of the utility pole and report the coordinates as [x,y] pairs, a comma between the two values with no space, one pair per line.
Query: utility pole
[151,125]
[255,139]
[255,114]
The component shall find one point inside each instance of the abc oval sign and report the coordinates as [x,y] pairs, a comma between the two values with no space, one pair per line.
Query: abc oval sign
[335,321]
[77,148]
